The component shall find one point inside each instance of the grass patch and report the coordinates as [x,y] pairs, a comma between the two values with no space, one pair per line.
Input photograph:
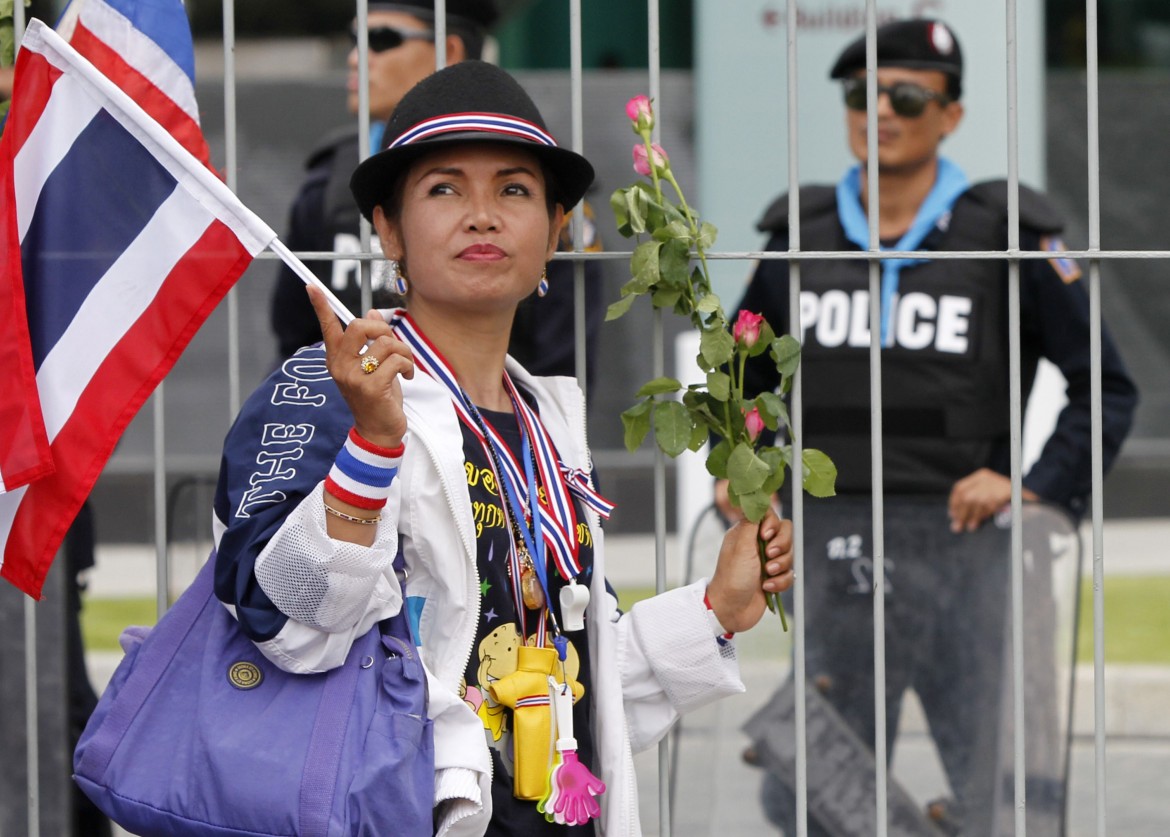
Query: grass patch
[103,620]
[1137,619]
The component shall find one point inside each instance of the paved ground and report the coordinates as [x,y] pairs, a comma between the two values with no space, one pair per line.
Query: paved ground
[717,793]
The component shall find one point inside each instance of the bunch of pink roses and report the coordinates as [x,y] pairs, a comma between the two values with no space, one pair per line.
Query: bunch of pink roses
[669,265]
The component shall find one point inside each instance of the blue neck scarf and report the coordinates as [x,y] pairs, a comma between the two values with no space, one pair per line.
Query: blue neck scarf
[950,183]
[377,129]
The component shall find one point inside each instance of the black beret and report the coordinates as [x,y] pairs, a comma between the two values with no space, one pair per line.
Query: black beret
[479,13]
[917,44]
[471,101]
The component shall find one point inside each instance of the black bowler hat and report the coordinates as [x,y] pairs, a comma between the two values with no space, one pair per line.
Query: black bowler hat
[917,44]
[467,102]
[480,13]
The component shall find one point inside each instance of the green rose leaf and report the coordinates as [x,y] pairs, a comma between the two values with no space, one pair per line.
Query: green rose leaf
[673,260]
[675,230]
[636,422]
[672,427]
[638,206]
[708,303]
[755,504]
[699,436]
[666,297]
[745,469]
[764,343]
[719,385]
[705,408]
[717,460]
[659,386]
[617,309]
[707,233]
[618,202]
[716,347]
[777,459]
[786,353]
[772,409]
[820,474]
[644,266]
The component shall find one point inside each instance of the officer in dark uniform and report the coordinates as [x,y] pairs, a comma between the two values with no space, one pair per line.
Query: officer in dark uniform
[945,420]
[324,216]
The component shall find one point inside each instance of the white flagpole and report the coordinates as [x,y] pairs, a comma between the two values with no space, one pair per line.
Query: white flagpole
[309,278]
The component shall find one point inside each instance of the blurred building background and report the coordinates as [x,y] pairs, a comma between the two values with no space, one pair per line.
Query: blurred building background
[290,67]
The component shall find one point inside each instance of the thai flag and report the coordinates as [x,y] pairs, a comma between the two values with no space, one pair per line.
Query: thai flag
[118,243]
[144,47]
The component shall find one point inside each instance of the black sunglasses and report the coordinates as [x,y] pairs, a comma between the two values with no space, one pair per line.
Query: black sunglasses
[383,38]
[906,98]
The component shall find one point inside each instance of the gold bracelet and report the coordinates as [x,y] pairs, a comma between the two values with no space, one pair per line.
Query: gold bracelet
[365,521]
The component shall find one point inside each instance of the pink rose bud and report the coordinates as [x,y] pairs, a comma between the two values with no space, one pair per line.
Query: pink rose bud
[642,161]
[753,423]
[640,113]
[747,328]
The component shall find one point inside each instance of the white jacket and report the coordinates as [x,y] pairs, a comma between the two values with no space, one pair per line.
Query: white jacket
[648,666]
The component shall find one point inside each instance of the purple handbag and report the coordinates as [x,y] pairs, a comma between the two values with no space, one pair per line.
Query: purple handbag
[198,734]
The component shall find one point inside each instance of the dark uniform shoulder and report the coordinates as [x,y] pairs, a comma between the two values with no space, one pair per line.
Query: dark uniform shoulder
[329,145]
[1037,212]
[815,201]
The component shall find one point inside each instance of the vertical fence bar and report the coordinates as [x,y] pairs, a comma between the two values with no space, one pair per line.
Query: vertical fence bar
[653,62]
[440,34]
[365,268]
[162,570]
[797,416]
[1015,423]
[1094,177]
[577,119]
[881,778]
[31,711]
[231,165]
[31,702]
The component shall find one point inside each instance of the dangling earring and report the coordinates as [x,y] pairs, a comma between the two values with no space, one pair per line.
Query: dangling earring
[542,288]
[397,277]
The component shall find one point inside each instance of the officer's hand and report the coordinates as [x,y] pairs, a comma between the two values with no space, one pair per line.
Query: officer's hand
[978,496]
[736,593]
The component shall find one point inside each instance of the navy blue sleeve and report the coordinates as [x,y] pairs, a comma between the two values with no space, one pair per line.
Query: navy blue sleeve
[279,448]
[1054,316]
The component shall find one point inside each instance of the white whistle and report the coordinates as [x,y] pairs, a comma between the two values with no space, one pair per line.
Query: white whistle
[574,600]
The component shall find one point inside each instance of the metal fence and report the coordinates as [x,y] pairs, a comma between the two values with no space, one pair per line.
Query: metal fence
[1094,255]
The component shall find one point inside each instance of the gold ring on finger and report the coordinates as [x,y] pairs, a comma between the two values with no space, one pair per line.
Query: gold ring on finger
[369,363]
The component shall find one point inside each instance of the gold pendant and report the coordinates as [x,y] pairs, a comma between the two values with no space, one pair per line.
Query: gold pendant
[530,589]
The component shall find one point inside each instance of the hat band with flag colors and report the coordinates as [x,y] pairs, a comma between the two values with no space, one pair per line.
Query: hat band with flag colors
[468,102]
[487,123]
[121,244]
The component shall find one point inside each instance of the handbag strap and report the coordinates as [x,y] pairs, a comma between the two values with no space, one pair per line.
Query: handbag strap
[153,659]
[323,760]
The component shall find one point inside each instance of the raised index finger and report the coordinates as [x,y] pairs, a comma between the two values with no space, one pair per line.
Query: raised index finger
[331,328]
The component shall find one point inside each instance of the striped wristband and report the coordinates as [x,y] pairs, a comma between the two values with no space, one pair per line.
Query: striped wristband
[362,472]
[720,632]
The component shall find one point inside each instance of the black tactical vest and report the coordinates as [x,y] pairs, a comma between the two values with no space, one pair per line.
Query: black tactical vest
[945,385]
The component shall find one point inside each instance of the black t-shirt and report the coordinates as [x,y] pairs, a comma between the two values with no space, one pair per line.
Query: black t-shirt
[498,635]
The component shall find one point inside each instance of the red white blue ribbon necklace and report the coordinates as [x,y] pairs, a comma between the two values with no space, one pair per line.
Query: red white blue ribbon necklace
[555,517]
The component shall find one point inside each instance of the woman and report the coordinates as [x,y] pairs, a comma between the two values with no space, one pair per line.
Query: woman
[411,433]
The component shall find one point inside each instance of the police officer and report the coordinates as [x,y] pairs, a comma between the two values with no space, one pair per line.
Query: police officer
[324,217]
[945,419]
